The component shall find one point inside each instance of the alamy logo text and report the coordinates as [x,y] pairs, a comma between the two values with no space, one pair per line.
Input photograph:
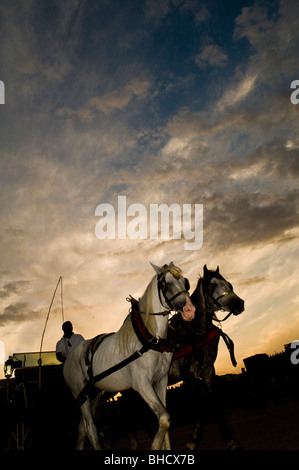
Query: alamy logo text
[158,221]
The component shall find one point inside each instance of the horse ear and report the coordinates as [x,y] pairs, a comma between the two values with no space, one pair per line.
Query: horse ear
[171,265]
[205,270]
[156,268]
[217,270]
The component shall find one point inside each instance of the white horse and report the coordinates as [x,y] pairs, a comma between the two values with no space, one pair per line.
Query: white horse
[148,374]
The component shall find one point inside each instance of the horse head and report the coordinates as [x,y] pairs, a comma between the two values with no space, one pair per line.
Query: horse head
[221,292]
[174,288]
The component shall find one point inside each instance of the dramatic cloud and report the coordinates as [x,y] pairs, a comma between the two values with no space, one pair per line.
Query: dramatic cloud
[12,288]
[163,102]
[211,55]
[17,312]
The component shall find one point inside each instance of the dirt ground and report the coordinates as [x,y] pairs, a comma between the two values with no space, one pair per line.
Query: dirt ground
[272,427]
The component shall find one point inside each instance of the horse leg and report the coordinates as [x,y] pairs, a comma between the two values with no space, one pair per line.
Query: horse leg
[196,436]
[211,404]
[201,393]
[161,390]
[193,443]
[166,442]
[81,434]
[133,440]
[151,398]
[87,424]
[226,433]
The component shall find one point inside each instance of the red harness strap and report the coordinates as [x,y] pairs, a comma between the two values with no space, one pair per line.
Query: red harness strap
[145,337]
[212,338]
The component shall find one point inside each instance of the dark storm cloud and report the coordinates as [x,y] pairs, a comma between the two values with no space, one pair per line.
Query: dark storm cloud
[276,158]
[12,288]
[18,312]
[243,219]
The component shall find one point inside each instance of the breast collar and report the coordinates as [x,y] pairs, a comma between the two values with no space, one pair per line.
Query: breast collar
[144,336]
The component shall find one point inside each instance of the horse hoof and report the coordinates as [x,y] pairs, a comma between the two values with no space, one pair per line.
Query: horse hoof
[191,445]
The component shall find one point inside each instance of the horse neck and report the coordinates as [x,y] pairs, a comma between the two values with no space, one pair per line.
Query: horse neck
[204,307]
[150,303]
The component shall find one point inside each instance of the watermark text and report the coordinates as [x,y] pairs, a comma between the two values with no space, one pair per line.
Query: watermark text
[295,354]
[2,92]
[138,222]
[295,94]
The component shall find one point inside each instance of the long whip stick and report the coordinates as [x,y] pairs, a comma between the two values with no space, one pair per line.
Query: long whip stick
[46,322]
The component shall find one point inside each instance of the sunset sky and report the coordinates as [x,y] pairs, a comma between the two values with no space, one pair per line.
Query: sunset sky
[176,102]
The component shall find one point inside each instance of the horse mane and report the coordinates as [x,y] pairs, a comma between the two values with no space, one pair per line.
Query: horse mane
[203,303]
[127,335]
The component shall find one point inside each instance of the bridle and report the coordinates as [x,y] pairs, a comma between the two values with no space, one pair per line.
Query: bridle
[218,305]
[162,288]
[222,295]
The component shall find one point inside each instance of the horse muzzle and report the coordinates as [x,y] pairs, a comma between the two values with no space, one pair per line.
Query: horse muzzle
[188,310]
[238,306]
[231,302]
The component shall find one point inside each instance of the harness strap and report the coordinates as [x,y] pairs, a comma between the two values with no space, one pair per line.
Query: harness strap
[135,306]
[213,335]
[92,348]
[148,342]
[145,337]
[85,392]
[223,319]
[230,346]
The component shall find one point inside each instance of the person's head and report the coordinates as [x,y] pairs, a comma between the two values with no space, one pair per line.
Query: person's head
[67,328]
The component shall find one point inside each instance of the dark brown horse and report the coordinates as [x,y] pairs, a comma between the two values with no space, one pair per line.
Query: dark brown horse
[197,347]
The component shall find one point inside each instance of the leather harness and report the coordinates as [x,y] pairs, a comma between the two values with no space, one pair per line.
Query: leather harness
[148,341]
[145,337]
[211,338]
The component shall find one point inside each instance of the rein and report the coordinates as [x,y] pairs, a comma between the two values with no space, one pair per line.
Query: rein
[134,303]
[210,337]
[223,319]
[182,351]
